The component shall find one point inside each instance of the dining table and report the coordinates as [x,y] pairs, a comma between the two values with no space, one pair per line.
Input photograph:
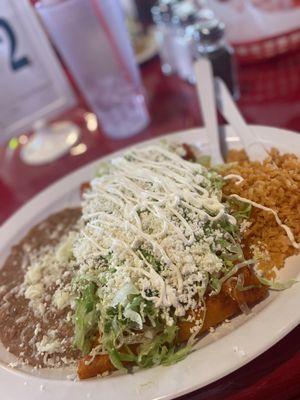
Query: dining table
[269,95]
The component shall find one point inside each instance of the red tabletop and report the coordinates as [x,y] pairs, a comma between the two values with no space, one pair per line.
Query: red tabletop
[270,95]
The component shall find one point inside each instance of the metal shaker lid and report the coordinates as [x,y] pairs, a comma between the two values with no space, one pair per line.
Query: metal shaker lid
[163,10]
[161,13]
[208,31]
[184,13]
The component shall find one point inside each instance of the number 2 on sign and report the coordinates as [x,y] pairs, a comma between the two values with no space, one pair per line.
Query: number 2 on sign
[16,63]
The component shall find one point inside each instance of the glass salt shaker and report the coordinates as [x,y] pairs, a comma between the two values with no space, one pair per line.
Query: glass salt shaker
[162,15]
[209,42]
[184,17]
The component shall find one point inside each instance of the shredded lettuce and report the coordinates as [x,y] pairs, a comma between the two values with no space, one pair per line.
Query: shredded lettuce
[86,318]
[103,168]
[133,316]
[176,356]
[161,348]
[275,285]
[216,283]
[242,288]
[115,358]
[204,160]
[151,259]
[121,296]
[222,168]
[217,181]
[158,350]
[240,209]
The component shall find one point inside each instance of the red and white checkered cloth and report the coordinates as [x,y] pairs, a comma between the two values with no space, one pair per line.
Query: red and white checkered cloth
[260,29]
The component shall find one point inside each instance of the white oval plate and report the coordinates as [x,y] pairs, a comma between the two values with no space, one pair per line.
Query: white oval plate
[219,353]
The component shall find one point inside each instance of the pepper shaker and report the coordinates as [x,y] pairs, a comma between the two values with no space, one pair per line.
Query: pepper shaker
[209,42]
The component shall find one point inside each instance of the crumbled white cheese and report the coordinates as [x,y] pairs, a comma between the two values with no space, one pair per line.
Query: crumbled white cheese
[34,291]
[62,299]
[260,253]
[244,225]
[14,364]
[64,251]
[49,268]
[147,215]
[48,344]
[239,351]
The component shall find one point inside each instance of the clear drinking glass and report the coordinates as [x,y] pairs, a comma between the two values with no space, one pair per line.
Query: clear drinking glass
[93,41]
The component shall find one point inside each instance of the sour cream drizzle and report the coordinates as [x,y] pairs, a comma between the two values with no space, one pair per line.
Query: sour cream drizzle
[145,187]
[238,178]
[278,220]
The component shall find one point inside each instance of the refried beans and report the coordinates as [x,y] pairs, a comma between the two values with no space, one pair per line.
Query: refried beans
[44,338]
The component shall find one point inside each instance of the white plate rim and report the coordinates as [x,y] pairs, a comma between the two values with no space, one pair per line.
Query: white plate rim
[150,50]
[169,385]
